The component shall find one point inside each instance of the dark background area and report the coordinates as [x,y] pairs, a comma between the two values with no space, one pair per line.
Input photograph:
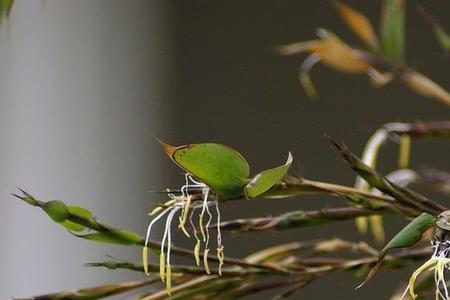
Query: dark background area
[231,89]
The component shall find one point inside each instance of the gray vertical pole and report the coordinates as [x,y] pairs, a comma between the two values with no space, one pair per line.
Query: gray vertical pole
[82,87]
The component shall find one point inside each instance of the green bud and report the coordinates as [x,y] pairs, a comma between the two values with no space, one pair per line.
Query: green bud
[56,210]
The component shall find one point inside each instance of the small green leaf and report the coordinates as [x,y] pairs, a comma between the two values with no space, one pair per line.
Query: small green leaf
[56,210]
[410,234]
[267,179]
[393,29]
[407,237]
[220,167]
[121,237]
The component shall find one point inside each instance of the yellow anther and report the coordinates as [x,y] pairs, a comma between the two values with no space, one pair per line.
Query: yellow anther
[169,280]
[186,209]
[155,211]
[159,208]
[205,261]
[162,266]
[221,257]
[197,253]
[183,228]
[145,259]
[404,151]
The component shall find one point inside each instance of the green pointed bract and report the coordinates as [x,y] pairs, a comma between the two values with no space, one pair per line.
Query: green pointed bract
[267,179]
[221,168]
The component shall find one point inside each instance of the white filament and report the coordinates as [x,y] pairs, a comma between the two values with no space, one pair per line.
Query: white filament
[147,237]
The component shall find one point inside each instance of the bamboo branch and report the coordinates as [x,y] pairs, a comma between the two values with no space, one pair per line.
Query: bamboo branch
[300,218]
[404,196]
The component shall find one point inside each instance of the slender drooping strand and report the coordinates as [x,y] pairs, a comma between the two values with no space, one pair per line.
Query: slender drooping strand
[187,206]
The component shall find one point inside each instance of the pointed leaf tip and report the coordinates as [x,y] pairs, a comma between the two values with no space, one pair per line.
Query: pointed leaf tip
[169,149]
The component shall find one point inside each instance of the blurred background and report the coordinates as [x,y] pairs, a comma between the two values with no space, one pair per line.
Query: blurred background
[85,84]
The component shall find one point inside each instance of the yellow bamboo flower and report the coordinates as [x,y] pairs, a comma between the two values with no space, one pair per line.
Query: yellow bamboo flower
[438,263]
[187,206]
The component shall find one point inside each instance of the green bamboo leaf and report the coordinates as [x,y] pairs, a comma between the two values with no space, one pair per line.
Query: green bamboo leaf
[407,237]
[410,234]
[393,29]
[220,167]
[267,179]
[121,237]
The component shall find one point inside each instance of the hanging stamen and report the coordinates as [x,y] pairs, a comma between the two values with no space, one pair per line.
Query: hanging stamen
[220,257]
[438,263]
[163,242]
[169,280]
[184,214]
[220,248]
[205,192]
[147,238]
[162,266]
[169,243]
[197,244]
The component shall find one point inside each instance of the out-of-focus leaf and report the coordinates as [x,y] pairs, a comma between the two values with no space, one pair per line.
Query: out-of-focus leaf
[94,292]
[121,237]
[359,24]
[220,167]
[5,8]
[424,86]
[338,55]
[407,237]
[393,29]
[267,179]
[329,50]
[442,36]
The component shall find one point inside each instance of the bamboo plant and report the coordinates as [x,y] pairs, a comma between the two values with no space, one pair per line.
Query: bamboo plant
[216,174]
